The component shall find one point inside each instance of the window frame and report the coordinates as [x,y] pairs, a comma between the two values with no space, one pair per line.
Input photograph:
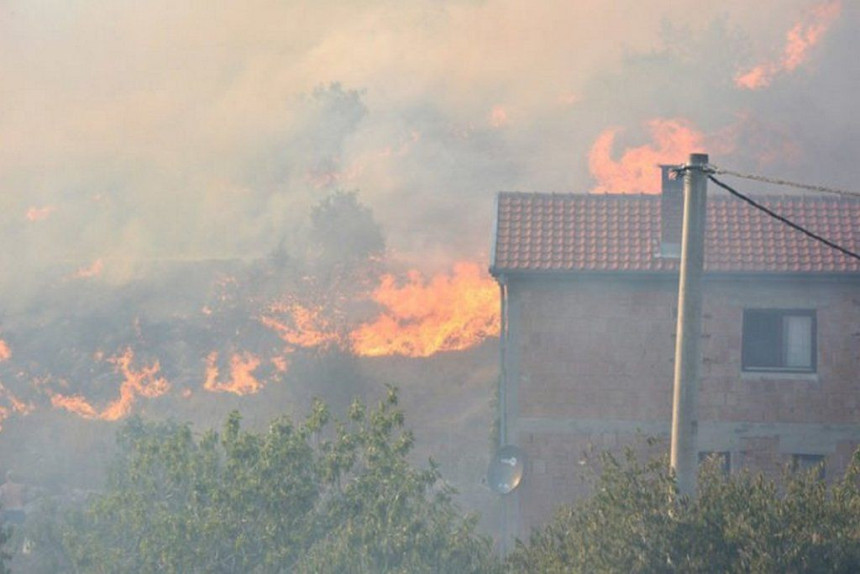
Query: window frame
[809,462]
[780,314]
[722,457]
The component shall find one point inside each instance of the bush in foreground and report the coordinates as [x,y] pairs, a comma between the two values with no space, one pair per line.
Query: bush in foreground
[738,523]
[314,497]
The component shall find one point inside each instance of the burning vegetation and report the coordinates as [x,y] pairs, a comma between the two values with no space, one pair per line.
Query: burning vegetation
[799,41]
[243,326]
[636,171]
[423,317]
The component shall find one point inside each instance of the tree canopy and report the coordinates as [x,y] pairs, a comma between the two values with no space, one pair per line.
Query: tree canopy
[745,522]
[5,555]
[342,496]
[320,496]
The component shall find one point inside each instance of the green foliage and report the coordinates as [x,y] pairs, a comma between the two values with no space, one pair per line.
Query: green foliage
[5,556]
[314,497]
[635,522]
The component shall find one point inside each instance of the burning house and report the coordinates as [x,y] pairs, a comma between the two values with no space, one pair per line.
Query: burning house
[589,302]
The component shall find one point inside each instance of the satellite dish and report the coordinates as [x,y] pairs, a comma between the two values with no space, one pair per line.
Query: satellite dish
[506,469]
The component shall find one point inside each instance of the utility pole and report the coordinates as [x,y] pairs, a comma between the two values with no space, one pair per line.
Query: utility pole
[685,424]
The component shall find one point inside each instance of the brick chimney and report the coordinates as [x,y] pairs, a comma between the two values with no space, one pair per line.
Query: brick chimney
[671,211]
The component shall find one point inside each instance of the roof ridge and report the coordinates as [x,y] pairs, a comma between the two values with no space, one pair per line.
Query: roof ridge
[715,194]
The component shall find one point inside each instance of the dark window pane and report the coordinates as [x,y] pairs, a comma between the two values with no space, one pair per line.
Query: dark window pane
[779,340]
[721,458]
[762,339]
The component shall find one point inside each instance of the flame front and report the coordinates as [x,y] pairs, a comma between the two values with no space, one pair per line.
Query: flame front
[802,37]
[242,380]
[637,171]
[144,382]
[76,404]
[300,326]
[417,316]
[447,313]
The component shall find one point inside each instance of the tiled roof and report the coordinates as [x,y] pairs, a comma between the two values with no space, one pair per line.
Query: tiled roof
[577,232]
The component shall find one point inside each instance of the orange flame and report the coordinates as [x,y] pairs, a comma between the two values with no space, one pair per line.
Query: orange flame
[242,380]
[499,117]
[309,328]
[637,171]
[144,382]
[420,318]
[18,405]
[40,213]
[76,404]
[799,40]
[447,313]
[281,364]
[93,270]
[5,352]
[15,405]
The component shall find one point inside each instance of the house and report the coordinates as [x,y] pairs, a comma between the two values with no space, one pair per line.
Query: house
[589,304]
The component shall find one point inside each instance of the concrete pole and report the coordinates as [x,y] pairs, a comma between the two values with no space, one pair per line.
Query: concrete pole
[684,457]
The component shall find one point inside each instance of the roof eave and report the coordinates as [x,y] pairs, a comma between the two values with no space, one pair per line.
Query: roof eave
[633,274]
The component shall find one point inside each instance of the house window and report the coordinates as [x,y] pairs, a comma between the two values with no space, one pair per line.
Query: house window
[779,340]
[807,462]
[721,458]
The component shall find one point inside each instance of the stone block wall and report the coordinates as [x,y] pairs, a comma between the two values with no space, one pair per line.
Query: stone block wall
[589,366]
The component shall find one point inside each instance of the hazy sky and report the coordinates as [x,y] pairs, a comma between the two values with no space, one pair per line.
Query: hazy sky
[132,131]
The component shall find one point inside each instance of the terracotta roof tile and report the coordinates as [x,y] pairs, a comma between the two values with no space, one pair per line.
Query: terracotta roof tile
[574,232]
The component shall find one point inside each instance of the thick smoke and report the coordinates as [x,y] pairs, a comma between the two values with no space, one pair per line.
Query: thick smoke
[135,133]
[177,178]
[138,137]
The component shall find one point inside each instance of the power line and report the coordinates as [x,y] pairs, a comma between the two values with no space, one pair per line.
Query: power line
[782,219]
[776,181]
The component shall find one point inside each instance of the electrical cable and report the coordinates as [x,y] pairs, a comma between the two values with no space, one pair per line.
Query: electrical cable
[782,219]
[775,181]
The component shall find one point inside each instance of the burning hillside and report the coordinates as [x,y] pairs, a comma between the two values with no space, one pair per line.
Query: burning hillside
[103,362]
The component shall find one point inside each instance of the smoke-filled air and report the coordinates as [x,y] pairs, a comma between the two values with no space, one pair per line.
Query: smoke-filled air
[217,205]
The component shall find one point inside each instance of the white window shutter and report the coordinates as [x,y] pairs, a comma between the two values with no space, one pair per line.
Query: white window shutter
[798,341]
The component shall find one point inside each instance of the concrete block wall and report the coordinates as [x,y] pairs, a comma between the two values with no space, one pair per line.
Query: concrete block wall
[592,369]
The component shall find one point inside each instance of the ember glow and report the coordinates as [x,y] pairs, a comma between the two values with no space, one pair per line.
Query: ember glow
[241,379]
[281,364]
[423,317]
[499,117]
[12,405]
[90,271]
[637,171]
[802,37]
[40,213]
[144,382]
[5,352]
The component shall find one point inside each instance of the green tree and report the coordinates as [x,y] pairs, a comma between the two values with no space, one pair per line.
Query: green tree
[5,556]
[314,497]
[738,523]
